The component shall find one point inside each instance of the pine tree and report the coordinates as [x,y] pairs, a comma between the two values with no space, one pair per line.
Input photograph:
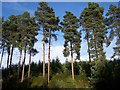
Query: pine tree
[70,26]
[113,25]
[40,16]
[51,27]
[49,23]
[30,29]
[92,22]
[9,38]
[32,40]
[6,39]
[32,52]
[12,37]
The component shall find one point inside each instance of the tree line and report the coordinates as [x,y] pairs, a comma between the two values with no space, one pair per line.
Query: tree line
[20,32]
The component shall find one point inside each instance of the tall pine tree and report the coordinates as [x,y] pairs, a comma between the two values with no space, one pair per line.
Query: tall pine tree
[113,25]
[49,23]
[92,22]
[72,35]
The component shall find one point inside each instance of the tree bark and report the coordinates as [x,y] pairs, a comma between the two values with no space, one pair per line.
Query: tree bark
[29,65]
[8,58]
[23,65]
[43,56]
[95,35]
[19,64]
[2,55]
[49,56]
[72,62]
[88,45]
[11,58]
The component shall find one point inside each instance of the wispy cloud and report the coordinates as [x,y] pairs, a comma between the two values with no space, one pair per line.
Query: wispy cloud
[18,7]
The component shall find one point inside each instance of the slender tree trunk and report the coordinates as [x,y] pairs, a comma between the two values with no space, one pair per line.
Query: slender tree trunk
[2,55]
[49,57]
[11,59]
[43,56]
[19,64]
[88,47]
[89,53]
[72,62]
[95,38]
[29,65]
[8,58]
[23,65]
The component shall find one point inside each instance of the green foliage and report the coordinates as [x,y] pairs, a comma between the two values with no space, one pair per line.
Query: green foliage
[113,25]
[82,81]
[36,69]
[47,20]
[56,66]
[71,35]
[65,81]
[92,20]
[20,31]
[38,82]
[105,74]
[76,68]
[85,67]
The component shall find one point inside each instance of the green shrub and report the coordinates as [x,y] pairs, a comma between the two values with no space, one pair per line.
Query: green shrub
[38,82]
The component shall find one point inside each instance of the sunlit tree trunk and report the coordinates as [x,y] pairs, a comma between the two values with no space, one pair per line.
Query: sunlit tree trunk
[72,62]
[19,64]
[8,58]
[29,65]
[23,65]
[11,58]
[2,55]
[49,56]
[88,46]
[43,55]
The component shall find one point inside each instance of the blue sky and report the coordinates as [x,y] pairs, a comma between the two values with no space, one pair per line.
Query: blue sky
[15,8]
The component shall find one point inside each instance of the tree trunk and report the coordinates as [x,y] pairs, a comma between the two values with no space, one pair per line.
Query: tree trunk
[11,59]
[29,65]
[2,56]
[88,46]
[19,64]
[72,62]
[8,58]
[95,38]
[23,65]
[89,52]
[49,57]
[43,56]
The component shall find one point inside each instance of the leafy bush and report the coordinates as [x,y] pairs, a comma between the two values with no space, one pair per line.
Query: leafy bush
[82,81]
[38,82]
[64,81]
[106,74]
[61,81]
